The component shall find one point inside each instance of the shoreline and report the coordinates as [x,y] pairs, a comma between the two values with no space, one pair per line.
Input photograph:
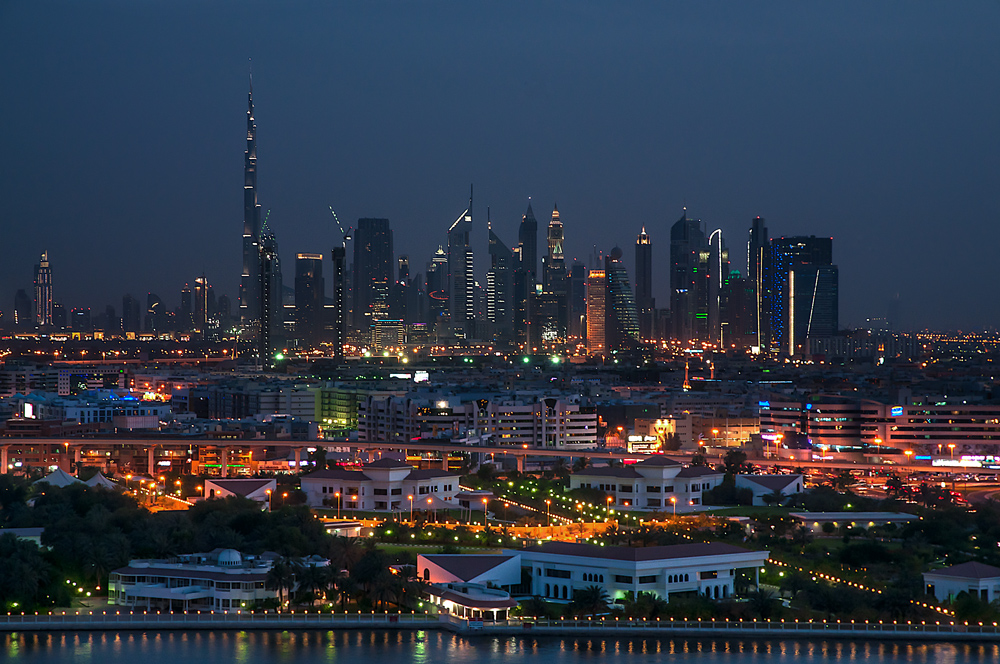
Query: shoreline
[555,628]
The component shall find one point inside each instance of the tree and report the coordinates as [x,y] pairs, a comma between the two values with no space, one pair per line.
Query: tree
[844,480]
[281,577]
[776,497]
[763,603]
[699,460]
[591,600]
[581,464]
[735,462]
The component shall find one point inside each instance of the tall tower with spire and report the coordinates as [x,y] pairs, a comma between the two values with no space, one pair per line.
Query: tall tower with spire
[644,286]
[250,295]
[554,276]
[527,238]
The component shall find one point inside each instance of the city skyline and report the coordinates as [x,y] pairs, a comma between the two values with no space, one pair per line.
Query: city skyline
[878,181]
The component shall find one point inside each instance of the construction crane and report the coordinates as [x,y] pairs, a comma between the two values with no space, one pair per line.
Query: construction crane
[345,236]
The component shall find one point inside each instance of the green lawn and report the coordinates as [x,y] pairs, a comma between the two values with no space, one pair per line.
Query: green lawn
[429,548]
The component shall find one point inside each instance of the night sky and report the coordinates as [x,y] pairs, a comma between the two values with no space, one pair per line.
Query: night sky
[122,135]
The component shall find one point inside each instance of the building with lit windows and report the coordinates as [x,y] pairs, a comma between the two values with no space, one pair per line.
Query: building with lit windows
[382,486]
[658,483]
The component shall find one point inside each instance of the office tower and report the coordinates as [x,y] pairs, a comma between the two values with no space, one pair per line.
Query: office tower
[22,309]
[548,319]
[201,309]
[786,254]
[500,286]
[270,290]
[576,302]
[250,295]
[110,322]
[131,313]
[688,279]
[718,277]
[309,298]
[43,292]
[339,322]
[758,320]
[554,272]
[186,311]
[622,327]
[223,310]
[155,314]
[597,294]
[274,312]
[59,319]
[461,280]
[80,319]
[400,290]
[437,286]
[644,286]
[527,238]
[373,259]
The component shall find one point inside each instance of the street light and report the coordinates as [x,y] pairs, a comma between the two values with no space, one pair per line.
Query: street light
[673,501]
[411,508]
[548,516]
[269,506]
[908,453]
[337,496]
[609,508]
[951,447]
[486,519]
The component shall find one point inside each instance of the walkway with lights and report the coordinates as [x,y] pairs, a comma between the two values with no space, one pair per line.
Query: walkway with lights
[612,627]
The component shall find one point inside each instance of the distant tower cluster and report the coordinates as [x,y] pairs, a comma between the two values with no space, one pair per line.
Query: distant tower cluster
[43,292]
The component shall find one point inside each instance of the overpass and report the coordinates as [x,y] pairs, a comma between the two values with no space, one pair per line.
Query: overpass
[370,449]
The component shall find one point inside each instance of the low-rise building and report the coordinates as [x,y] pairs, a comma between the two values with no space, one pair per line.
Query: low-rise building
[558,569]
[656,483]
[497,570]
[222,580]
[259,490]
[977,579]
[383,485]
[768,486]
[815,520]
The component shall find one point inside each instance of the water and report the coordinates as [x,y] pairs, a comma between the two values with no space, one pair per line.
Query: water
[433,647]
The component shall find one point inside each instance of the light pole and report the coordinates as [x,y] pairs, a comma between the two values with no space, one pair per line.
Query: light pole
[673,501]
[951,448]
[336,495]
[486,519]
[354,499]
[609,509]
[411,508]
[548,516]
[269,506]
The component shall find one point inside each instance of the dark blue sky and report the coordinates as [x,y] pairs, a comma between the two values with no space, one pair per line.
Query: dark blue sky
[122,134]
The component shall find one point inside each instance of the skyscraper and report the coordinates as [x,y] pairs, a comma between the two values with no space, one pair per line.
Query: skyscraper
[43,292]
[155,313]
[131,313]
[622,328]
[758,278]
[527,238]
[499,286]
[576,302]
[554,275]
[270,290]
[718,279]
[22,309]
[309,298]
[201,308]
[597,294]
[688,279]
[373,263]
[461,279]
[804,283]
[339,323]
[250,296]
[644,286]
[186,312]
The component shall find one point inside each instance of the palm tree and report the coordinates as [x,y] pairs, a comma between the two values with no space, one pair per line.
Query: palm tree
[311,578]
[776,497]
[346,587]
[763,602]
[580,464]
[591,600]
[281,577]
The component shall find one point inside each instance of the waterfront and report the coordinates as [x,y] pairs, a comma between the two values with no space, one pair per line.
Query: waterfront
[430,647]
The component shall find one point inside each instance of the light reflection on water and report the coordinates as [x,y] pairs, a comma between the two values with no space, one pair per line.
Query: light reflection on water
[431,647]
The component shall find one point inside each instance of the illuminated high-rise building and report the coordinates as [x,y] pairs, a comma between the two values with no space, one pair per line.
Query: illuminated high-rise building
[499,286]
[250,296]
[644,301]
[758,318]
[43,292]
[597,302]
[201,307]
[461,278]
[622,327]
[554,274]
[804,275]
[339,318]
[22,309]
[718,280]
[373,270]
[689,277]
